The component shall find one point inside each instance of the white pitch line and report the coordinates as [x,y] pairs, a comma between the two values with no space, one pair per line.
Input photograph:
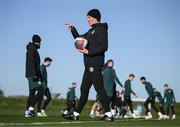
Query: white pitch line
[68,122]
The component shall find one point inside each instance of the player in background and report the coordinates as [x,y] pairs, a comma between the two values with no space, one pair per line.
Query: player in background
[127,94]
[161,101]
[41,108]
[110,78]
[150,99]
[170,100]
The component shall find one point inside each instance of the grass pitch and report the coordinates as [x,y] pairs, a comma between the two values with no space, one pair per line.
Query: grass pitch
[12,114]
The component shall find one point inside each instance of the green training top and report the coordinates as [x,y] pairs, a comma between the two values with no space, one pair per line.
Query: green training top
[44,76]
[128,90]
[71,96]
[109,78]
[149,88]
[169,96]
[159,96]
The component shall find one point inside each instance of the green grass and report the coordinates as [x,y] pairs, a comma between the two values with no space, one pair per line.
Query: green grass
[12,114]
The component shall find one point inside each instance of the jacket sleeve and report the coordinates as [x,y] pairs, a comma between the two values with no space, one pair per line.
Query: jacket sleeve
[133,92]
[174,99]
[116,78]
[101,45]
[43,74]
[76,34]
[31,62]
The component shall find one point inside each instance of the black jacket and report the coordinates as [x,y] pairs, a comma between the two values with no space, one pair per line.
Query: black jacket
[32,61]
[97,38]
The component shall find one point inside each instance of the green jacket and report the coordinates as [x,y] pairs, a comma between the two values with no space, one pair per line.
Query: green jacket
[159,97]
[71,96]
[44,76]
[128,90]
[169,97]
[109,78]
[149,88]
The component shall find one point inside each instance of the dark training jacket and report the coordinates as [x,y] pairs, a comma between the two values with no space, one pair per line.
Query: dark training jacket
[97,38]
[32,61]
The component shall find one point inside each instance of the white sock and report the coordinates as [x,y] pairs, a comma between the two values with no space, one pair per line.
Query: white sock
[109,114]
[30,108]
[42,110]
[92,112]
[75,113]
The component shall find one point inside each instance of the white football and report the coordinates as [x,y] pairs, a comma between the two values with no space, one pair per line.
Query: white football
[80,42]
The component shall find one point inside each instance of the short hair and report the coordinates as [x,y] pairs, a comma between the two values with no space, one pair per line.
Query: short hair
[47,59]
[143,78]
[166,85]
[132,75]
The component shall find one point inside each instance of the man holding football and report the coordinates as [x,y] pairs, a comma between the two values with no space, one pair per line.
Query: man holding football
[94,54]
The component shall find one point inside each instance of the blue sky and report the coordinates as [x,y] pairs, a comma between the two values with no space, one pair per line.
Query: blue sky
[144,39]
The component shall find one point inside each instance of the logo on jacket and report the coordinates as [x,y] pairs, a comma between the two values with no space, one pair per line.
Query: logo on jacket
[91,69]
[93,32]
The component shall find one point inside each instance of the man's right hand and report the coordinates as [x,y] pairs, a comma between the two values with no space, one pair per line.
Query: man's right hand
[69,26]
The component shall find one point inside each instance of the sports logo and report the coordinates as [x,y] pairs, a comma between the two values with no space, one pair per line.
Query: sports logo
[91,69]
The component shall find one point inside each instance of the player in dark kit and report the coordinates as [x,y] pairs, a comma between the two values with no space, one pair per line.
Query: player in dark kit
[46,91]
[110,78]
[150,99]
[33,75]
[71,99]
[169,100]
[94,54]
[127,94]
[161,101]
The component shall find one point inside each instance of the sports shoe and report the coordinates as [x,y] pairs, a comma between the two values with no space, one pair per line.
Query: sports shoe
[108,119]
[39,114]
[43,113]
[70,117]
[173,117]
[164,117]
[167,117]
[125,116]
[149,116]
[27,113]
[30,113]
[134,116]
[91,115]
[161,117]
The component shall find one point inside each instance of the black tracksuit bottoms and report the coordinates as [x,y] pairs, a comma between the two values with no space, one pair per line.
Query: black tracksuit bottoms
[150,100]
[128,102]
[33,97]
[92,76]
[48,98]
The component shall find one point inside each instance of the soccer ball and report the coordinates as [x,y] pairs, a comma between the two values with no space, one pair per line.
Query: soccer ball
[80,42]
